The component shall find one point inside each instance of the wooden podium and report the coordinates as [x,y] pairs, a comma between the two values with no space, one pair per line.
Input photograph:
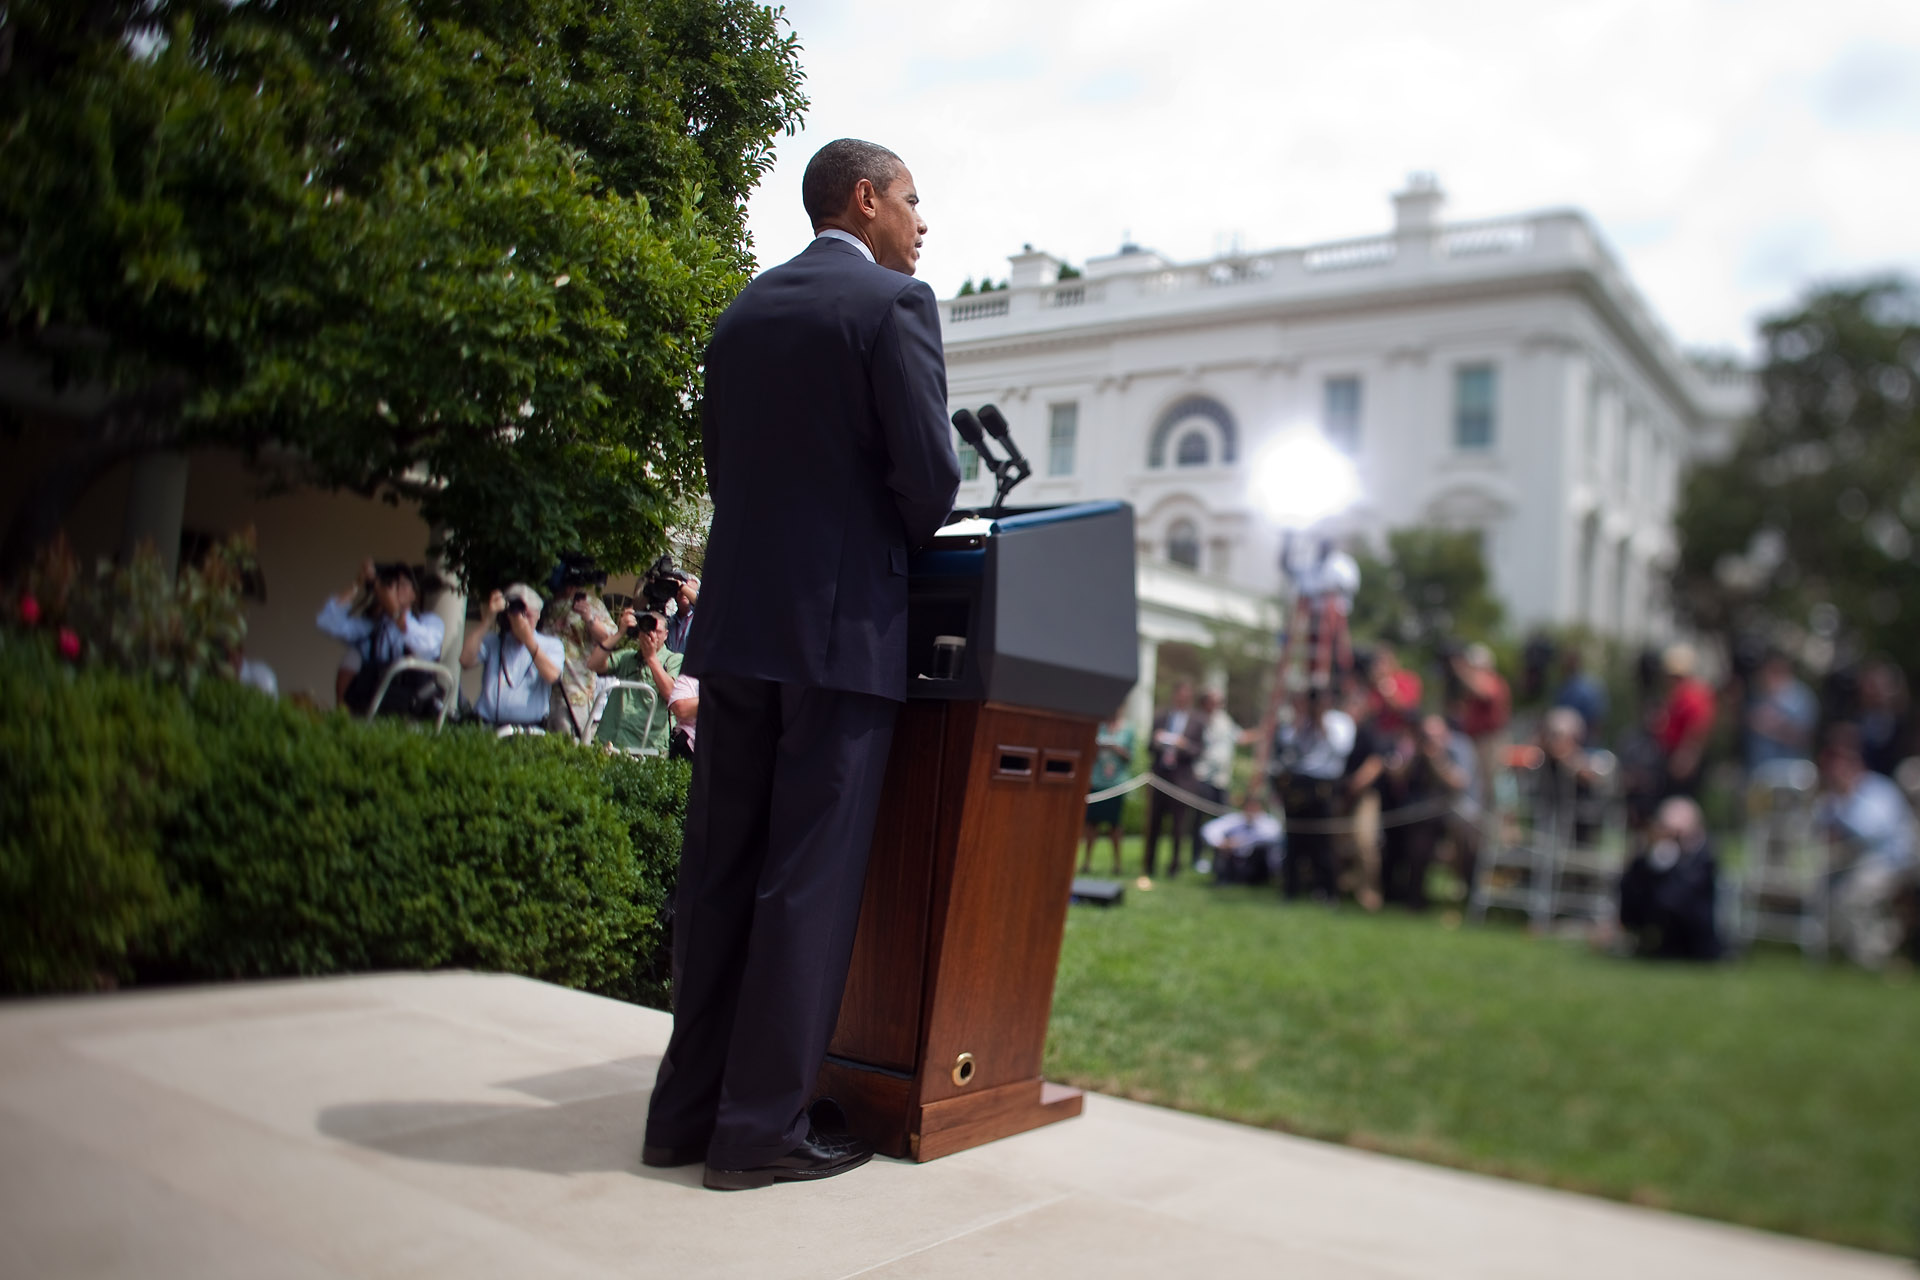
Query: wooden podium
[944,1018]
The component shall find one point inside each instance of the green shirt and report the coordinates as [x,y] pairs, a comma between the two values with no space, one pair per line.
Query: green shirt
[624,723]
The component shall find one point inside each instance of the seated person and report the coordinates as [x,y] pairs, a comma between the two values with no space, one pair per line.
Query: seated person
[638,719]
[1243,843]
[518,665]
[1866,817]
[1667,893]
[374,617]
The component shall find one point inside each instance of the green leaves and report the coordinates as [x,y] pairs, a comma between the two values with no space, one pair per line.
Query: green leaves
[345,232]
[1805,534]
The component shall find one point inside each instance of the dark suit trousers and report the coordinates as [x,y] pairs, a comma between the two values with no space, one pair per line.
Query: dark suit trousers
[1164,810]
[786,784]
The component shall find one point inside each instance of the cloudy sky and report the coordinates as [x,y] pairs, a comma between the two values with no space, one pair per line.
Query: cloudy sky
[1731,151]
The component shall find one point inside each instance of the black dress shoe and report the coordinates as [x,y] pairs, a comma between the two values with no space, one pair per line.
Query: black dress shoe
[817,1157]
[656,1156]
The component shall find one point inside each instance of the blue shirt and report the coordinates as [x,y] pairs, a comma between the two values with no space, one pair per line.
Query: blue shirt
[379,640]
[1794,703]
[511,690]
[1873,821]
[1584,693]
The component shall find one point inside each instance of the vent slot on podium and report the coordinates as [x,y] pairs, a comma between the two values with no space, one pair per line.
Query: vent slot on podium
[1060,766]
[1014,764]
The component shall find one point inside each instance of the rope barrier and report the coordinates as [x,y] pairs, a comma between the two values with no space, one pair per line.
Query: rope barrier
[1423,811]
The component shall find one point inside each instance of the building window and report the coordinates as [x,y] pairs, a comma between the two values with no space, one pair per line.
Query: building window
[969,460]
[1193,450]
[1474,392]
[1064,426]
[1341,418]
[1183,544]
[1193,411]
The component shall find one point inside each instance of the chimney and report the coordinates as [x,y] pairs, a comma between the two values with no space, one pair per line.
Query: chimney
[1416,211]
[1030,267]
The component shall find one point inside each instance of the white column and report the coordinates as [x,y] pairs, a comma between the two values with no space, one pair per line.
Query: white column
[1140,701]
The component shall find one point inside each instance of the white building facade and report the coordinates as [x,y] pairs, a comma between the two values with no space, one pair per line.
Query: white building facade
[1499,376]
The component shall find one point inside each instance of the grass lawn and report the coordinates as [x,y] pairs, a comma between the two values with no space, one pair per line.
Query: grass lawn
[1765,1092]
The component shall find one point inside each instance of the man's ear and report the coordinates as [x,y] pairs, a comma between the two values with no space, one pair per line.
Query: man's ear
[866,198]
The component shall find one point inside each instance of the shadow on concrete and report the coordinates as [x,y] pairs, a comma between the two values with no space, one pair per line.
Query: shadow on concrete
[593,1122]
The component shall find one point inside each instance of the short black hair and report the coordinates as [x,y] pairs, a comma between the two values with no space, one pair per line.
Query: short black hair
[837,168]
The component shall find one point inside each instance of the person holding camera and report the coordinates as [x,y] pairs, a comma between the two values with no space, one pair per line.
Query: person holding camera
[638,719]
[374,618]
[518,665]
[682,620]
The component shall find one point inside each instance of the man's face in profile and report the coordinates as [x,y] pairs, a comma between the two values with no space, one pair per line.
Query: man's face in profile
[896,228]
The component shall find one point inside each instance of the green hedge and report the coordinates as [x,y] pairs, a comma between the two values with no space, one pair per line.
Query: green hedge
[93,767]
[267,841]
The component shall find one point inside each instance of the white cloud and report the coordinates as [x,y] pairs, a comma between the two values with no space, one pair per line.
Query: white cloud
[1731,150]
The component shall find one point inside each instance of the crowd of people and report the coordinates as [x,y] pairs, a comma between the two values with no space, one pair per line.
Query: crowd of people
[555,664]
[1357,789]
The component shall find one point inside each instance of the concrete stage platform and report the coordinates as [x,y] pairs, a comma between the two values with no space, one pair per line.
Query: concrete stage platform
[475,1126]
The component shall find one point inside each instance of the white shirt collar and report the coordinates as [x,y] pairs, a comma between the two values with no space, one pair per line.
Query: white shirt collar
[835,233]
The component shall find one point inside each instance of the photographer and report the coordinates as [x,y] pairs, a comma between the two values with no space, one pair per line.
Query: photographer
[518,666]
[661,585]
[638,719]
[374,617]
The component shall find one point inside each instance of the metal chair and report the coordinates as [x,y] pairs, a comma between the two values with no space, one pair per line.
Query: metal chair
[1589,846]
[1782,893]
[445,677]
[1515,868]
[607,686]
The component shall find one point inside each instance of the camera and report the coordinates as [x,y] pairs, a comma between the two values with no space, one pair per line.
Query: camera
[662,583]
[644,624]
[573,572]
[516,607]
[392,571]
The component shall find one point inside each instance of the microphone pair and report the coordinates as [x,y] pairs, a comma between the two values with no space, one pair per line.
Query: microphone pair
[994,423]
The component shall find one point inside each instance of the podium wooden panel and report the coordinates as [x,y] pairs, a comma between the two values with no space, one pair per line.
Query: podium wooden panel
[944,1019]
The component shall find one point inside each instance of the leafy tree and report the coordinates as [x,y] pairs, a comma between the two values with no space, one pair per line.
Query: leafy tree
[1806,528]
[1432,588]
[459,252]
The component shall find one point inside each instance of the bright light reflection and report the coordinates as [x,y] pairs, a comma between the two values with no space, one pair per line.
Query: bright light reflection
[1301,479]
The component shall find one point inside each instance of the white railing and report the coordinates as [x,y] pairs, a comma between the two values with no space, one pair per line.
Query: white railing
[1350,255]
[1067,295]
[1486,238]
[978,308]
[1245,271]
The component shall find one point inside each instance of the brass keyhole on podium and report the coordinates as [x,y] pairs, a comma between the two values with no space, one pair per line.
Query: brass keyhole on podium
[963,1068]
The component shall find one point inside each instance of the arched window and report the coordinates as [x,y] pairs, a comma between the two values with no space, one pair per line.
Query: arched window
[1183,544]
[1181,419]
[1193,450]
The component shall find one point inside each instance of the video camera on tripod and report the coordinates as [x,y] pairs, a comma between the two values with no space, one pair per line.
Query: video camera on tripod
[660,587]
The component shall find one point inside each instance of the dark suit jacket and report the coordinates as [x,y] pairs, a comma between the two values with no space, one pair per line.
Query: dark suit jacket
[828,457]
[1186,753]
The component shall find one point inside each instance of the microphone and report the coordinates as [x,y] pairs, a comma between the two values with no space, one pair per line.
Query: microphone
[992,419]
[969,428]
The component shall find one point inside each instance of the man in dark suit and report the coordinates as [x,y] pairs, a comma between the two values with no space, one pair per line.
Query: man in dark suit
[829,457]
[1176,745]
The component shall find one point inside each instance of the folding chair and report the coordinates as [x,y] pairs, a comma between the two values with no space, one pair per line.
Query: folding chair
[607,687]
[1590,843]
[1515,868]
[1782,894]
[445,677]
